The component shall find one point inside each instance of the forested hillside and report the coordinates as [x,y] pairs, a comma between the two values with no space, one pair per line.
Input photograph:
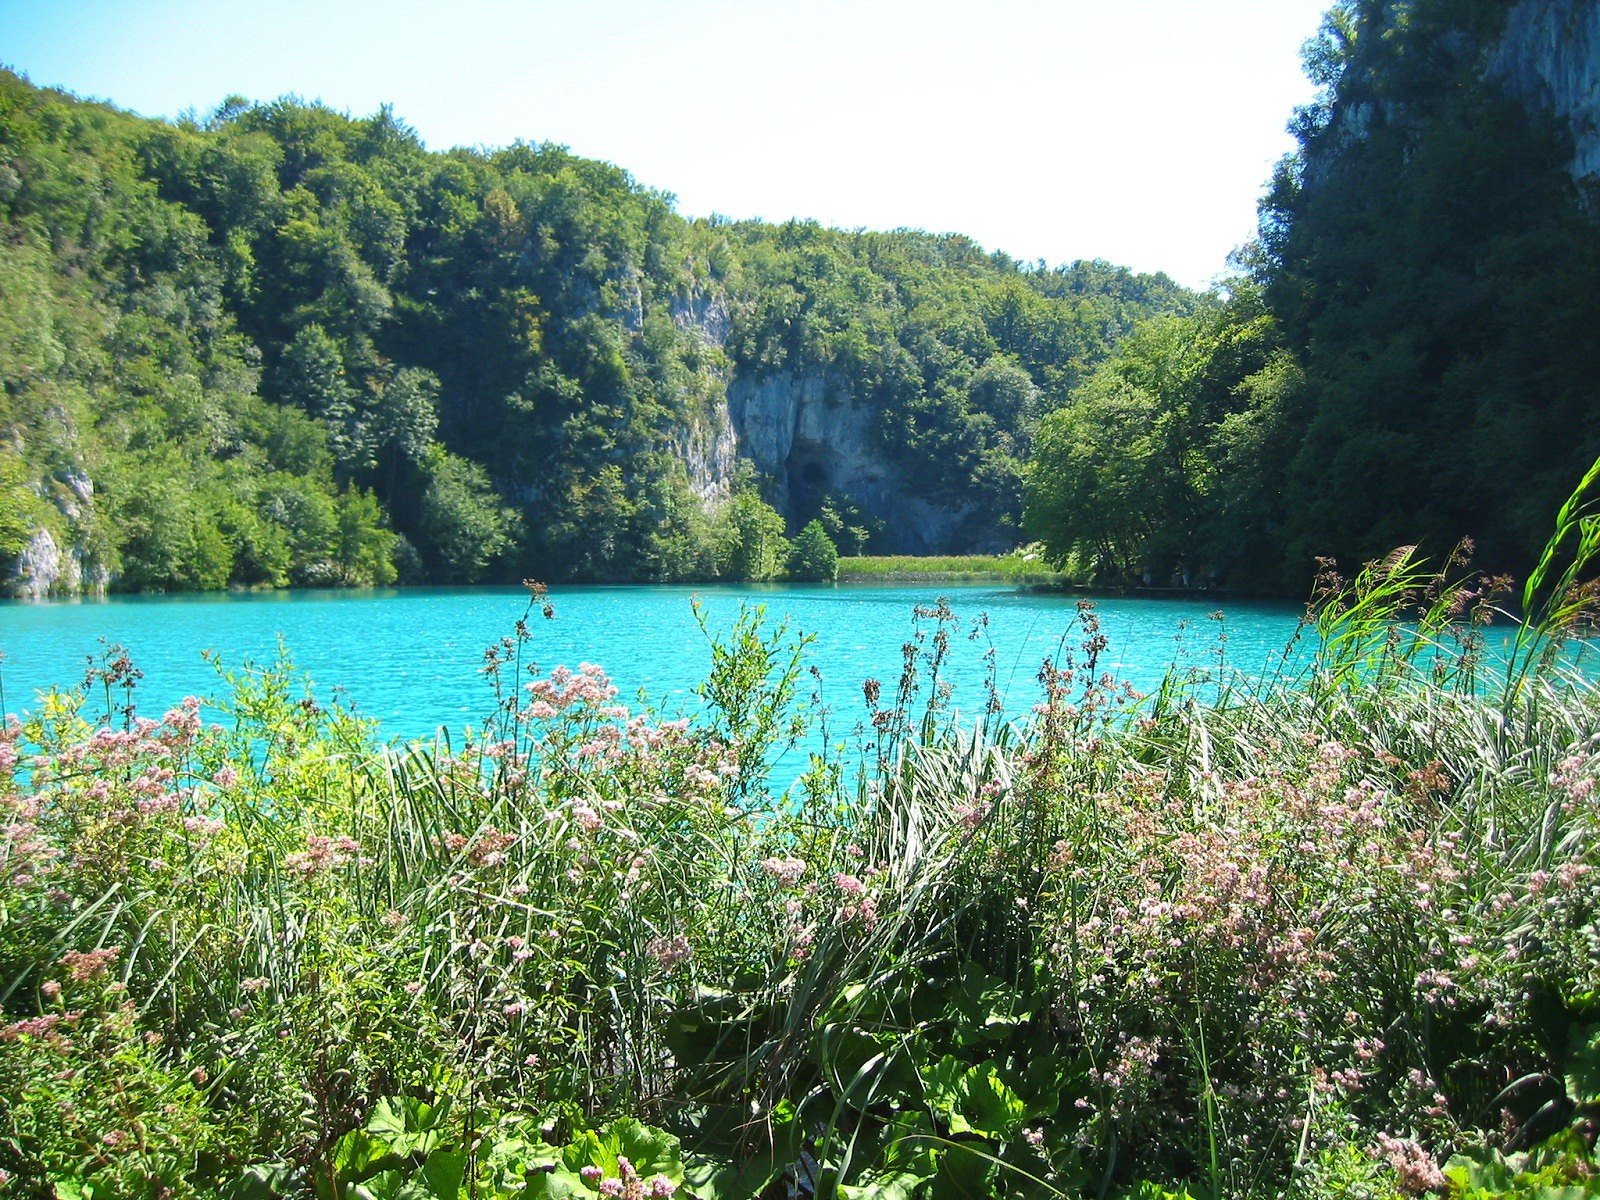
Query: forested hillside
[1408,354]
[285,346]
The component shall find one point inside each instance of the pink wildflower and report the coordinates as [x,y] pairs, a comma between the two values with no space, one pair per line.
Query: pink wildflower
[322,854]
[85,965]
[786,871]
[1417,1170]
[669,952]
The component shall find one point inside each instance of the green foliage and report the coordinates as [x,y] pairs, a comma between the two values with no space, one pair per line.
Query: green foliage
[1401,361]
[812,554]
[19,506]
[463,526]
[586,952]
[754,546]
[508,349]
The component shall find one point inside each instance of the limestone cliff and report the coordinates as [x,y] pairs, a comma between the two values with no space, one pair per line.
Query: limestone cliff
[1548,56]
[808,436]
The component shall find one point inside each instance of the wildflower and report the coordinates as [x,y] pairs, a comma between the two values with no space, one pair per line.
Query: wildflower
[849,884]
[225,777]
[591,1173]
[86,965]
[322,854]
[413,988]
[972,815]
[43,1026]
[661,1188]
[669,952]
[786,871]
[50,989]
[1417,1170]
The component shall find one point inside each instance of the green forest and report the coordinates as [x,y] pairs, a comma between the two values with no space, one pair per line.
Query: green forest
[1326,930]
[283,346]
[1405,356]
[279,345]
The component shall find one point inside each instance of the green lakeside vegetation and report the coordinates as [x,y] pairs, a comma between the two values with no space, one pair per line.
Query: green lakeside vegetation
[280,345]
[1020,566]
[1329,935]
[1398,359]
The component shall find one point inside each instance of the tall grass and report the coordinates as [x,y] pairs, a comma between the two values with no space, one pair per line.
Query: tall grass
[1308,938]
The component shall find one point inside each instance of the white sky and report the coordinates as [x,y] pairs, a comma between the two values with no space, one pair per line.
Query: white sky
[1140,131]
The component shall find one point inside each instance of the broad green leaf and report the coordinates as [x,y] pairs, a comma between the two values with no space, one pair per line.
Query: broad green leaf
[442,1174]
[1583,1064]
[652,1151]
[884,1185]
[865,1069]
[558,1184]
[973,1099]
[728,1179]
[385,1185]
[264,1181]
[406,1125]
[359,1154]
[966,1172]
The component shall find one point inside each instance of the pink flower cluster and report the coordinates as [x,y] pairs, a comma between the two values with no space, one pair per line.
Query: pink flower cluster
[25,853]
[669,952]
[566,688]
[46,1027]
[84,965]
[786,871]
[1574,778]
[486,849]
[1416,1168]
[626,1184]
[322,854]
[861,906]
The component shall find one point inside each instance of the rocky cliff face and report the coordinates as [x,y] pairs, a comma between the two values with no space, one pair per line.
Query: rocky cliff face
[46,566]
[807,434]
[1548,56]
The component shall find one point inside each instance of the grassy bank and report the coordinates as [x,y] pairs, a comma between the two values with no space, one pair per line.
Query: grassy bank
[1016,567]
[1335,937]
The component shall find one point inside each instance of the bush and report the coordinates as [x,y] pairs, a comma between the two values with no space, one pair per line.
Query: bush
[812,555]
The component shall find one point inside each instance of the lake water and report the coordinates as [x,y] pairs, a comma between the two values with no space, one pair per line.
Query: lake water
[413,658]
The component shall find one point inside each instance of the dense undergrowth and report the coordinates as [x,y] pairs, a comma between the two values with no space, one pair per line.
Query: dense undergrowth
[1327,936]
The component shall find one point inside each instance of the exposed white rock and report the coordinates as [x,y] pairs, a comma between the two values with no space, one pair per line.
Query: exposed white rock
[41,569]
[1548,56]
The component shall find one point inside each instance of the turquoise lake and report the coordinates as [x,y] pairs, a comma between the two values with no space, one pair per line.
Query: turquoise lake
[412,658]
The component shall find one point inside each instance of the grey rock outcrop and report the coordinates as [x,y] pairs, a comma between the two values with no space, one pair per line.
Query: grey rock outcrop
[809,436]
[42,569]
[1548,56]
